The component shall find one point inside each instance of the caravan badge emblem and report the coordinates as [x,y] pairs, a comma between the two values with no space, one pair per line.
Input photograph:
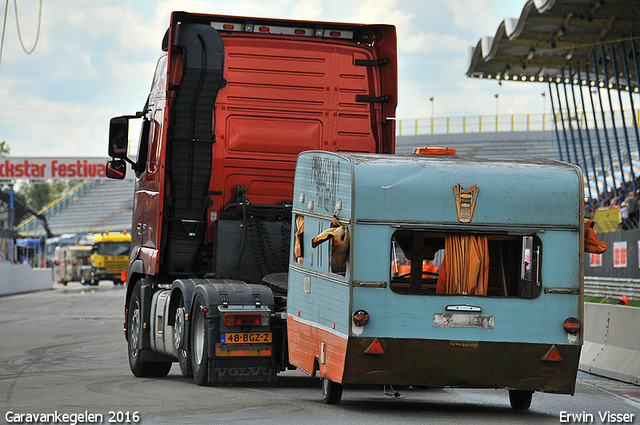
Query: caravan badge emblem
[465,202]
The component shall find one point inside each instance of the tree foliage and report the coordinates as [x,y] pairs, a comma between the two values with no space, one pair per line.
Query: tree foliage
[4,148]
[37,194]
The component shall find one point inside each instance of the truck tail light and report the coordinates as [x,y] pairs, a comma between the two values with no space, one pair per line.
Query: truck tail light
[572,325]
[246,319]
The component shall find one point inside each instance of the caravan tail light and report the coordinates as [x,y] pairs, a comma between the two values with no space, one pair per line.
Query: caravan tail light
[245,319]
[360,318]
[572,325]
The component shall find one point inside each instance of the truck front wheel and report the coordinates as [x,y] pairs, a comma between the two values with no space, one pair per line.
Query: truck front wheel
[199,343]
[139,367]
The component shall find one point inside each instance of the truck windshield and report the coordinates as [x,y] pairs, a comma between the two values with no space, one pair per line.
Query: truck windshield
[112,248]
[448,264]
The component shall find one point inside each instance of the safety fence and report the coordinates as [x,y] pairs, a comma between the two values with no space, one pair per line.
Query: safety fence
[511,122]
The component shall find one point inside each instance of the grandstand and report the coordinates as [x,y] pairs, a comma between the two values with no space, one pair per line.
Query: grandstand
[98,206]
[586,54]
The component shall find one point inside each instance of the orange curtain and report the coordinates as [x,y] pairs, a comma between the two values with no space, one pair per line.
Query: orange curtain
[465,269]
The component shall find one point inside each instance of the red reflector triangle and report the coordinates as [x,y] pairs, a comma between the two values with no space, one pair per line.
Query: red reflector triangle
[374,348]
[553,355]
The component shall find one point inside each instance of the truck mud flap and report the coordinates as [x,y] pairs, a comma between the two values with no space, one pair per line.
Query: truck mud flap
[242,370]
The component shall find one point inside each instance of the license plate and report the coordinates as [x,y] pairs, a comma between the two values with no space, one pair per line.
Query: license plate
[245,337]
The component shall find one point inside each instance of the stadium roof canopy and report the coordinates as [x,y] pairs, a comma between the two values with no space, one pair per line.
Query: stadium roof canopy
[553,38]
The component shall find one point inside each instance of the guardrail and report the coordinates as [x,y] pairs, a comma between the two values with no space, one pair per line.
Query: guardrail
[611,287]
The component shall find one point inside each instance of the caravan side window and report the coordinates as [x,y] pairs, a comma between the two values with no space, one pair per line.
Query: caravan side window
[430,263]
[321,245]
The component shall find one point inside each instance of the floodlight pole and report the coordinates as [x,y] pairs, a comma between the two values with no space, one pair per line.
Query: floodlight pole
[431,100]
[544,107]
[497,96]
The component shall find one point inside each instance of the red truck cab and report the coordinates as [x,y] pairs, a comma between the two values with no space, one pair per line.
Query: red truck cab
[233,102]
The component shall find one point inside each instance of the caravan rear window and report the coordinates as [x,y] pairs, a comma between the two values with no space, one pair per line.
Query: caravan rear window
[429,263]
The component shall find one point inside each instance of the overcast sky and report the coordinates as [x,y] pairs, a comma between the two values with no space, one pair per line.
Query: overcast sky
[95,59]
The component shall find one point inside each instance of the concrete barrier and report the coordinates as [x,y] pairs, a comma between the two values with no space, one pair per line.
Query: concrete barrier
[612,342]
[16,278]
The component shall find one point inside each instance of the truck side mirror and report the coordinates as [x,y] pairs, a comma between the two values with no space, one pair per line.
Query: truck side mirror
[118,137]
[116,169]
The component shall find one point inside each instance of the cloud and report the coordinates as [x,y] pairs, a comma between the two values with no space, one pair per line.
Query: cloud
[433,43]
[476,15]
[384,12]
[95,60]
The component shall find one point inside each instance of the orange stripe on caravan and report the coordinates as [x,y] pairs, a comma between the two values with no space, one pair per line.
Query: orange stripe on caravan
[305,342]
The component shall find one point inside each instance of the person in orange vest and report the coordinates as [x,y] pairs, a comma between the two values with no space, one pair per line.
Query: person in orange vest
[428,266]
[623,300]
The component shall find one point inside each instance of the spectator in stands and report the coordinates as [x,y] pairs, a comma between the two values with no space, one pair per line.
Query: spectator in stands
[631,202]
[624,216]
[590,208]
[620,196]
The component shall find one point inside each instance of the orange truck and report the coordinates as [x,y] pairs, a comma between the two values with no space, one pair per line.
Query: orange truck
[233,102]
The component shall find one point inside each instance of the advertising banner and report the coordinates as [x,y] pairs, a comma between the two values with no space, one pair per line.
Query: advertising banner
[53,168]
[607,219]
[620,254]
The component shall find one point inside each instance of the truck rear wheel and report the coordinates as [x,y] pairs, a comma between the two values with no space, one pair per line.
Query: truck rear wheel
[139,367]
[520,400]
[331,391]
[180,343]
[199,343]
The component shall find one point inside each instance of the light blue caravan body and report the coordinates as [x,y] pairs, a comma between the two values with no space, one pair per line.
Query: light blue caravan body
[389,316]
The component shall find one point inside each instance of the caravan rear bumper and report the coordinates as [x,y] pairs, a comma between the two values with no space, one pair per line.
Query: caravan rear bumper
[464,364]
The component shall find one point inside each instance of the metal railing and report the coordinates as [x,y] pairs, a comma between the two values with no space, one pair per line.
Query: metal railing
[506,122]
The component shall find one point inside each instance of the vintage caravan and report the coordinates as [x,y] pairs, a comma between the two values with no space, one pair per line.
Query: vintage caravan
[436,270]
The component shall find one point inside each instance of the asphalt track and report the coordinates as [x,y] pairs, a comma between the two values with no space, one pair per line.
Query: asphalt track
[62,352]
